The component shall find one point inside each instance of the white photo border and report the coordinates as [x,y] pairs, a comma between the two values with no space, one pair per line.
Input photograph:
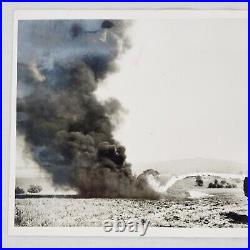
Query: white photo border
[105,14]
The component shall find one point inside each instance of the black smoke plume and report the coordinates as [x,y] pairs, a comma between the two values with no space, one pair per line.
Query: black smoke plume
[69,132]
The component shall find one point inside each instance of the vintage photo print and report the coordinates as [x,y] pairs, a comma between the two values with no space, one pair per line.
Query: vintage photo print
[130,123]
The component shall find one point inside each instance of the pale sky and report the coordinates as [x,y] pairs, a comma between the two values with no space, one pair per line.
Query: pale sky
[184,85]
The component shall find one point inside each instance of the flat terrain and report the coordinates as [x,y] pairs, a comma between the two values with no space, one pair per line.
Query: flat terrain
[223,208]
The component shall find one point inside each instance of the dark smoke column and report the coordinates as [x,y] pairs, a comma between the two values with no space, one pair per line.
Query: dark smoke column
[68,131]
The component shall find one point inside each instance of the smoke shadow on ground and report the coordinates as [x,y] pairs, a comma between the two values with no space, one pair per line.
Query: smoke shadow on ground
[236,218]
[37,196]
[67,196]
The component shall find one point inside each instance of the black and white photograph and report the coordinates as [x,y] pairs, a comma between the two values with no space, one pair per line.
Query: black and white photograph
[130,123]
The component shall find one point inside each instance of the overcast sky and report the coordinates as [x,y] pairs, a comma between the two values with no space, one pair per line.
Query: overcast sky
[184,85]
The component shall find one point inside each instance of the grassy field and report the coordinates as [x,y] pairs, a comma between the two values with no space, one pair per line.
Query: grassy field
[224,208]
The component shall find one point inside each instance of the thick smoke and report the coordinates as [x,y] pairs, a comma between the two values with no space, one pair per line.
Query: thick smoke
[68,131]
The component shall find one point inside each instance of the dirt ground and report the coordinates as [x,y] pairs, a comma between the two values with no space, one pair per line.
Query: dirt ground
[224,208]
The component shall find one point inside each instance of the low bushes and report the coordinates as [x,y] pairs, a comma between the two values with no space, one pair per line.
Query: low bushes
[222,184]
[19,190]
[34,189]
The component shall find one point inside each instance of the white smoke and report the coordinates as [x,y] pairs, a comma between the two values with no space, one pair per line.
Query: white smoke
[156,185]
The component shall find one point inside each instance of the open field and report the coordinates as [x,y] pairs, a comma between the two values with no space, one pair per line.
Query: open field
[223,208]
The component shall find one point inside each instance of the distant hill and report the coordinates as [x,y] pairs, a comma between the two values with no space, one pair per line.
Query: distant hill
[184,166]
